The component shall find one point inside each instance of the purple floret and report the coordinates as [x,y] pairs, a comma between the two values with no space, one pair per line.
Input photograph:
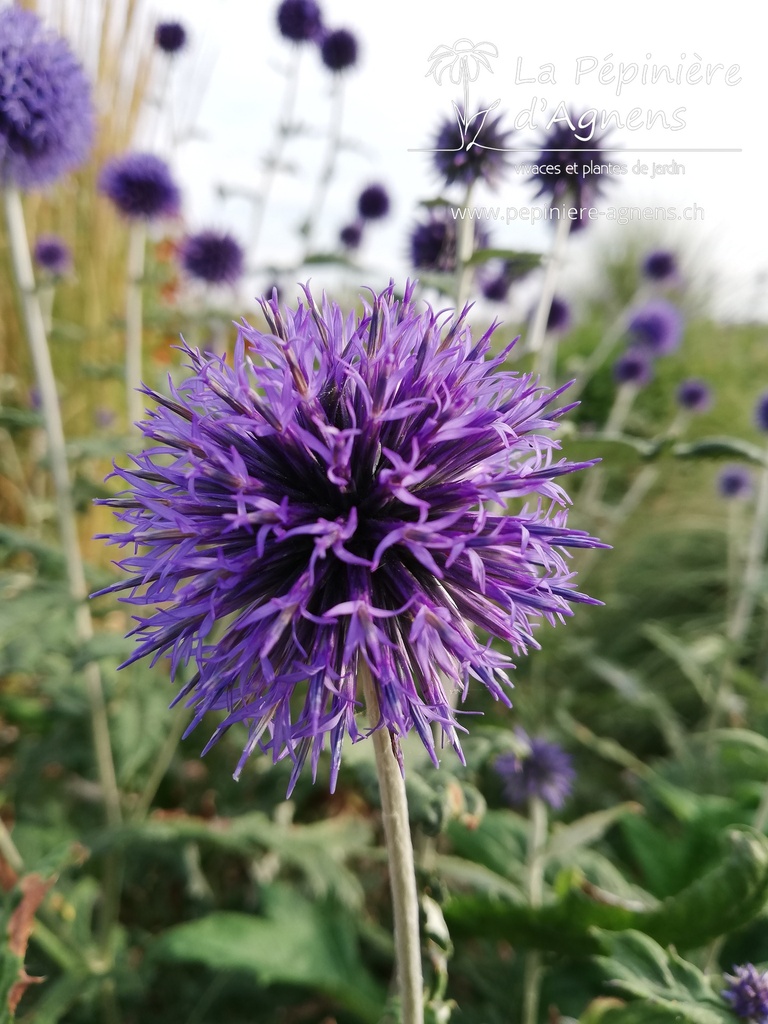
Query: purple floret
[299,20]
[747,993]
[346,492]
[735,481]
[466,153]
[694,395]
[141,186]
[53,255]
[545,772]
[170,37]
[46,114]
[657,327]
[339,50]
[373,202]
[213,256]
[633,367]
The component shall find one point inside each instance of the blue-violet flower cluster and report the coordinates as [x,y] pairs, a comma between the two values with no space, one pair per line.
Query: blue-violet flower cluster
[546,772]
[747,993]
[46,114]
[349,495]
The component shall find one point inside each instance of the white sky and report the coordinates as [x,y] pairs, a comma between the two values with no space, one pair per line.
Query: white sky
[391,105]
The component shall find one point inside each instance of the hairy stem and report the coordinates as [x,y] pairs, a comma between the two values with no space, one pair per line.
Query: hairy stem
[134,327]
[538,341]
[465,244]
[325,177]
[534,967]
[402,874]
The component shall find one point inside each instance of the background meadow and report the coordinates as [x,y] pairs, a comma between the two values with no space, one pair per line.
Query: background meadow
[602,857]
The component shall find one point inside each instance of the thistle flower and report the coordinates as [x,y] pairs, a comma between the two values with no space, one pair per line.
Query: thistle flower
[633,367]
[565,168]
[337,498]
[694,395]
[559,316]
[657,327]
[373,202]
[338,50]
[299,20]
[496,285]
[735,481]
[140,185]
[660,266]
[351,235]
[53,255]
[747,993]
[46,115]
[761,412]
[212,256]
[546,772]
[467,151]
[433,242]
[170,37]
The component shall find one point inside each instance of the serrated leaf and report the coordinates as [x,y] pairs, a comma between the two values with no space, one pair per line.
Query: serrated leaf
[588,829]
[720,448]
[296,942]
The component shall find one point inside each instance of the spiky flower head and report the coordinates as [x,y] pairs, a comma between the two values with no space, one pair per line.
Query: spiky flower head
[46,114]
[761,412]
[141,186]
[747,993]
[338,50]
[559,316]
[433,241]
[565,166]
[735,481]
[497,277]
[170,37]
[634,366]
[545,772]
[660,266]
[52,254]
[299,20]
[212,256]
[373,202]
[351,235]
[468,151]
[694,395]
[349,495]
[657,327]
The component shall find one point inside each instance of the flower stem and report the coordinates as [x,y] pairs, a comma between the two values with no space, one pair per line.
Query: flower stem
[137,247]
[538,341]
[534,968]
[402,874]
[322,186]
[465,244]
[753,569]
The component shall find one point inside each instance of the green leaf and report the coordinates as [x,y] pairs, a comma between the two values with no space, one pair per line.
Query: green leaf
[720,448]
[522,260]
[588,829]
[665,986]
[723,899]
[296,942]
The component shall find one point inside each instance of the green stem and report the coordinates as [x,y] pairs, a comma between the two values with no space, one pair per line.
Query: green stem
[329,165]
[534,967]
[402,873]
[544,345]
[134,326]
[754,566]
[162,763]
[465,244]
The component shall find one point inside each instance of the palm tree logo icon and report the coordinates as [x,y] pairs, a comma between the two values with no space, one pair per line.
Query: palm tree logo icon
[462,62]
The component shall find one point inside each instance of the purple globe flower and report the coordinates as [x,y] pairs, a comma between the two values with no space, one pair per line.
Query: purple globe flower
[299,20]
[337,499]
[46,114]
[339,50]
[747,993]
[351,235]
[761,412]
[559,317]
[170,37]
[496,284]
[212,256]
[373,202]
[660,266]
[633,367]
[53,255]
[433,242]
[565,168]
[657,327]
[735,481]
[465,153]
[694,395]
[496,288]
[140,185]
[545,772]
